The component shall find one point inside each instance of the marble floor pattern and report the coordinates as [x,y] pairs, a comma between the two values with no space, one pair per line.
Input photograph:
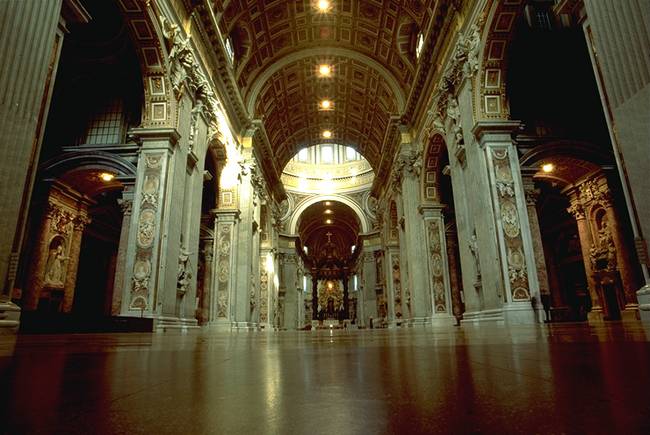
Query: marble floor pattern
[488,379]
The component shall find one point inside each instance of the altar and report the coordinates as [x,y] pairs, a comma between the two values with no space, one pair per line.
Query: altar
[330,301]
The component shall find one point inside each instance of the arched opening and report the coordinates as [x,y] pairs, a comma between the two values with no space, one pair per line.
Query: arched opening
[569,297]
[567,162]
[437,192]
[206,245]
[83,191]
[328,187]
[329,245]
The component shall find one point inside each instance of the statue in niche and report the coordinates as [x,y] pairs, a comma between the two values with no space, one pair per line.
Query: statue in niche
[55,266]
[473,247]
[184,273]
[603,253]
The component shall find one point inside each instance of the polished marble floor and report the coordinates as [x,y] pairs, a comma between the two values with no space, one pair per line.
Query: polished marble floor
[492,379]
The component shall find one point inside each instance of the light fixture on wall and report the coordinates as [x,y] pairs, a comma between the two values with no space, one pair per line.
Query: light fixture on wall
[325,105]
[328,211]
[327,134]
[106,176]
[548,167]
[328,221]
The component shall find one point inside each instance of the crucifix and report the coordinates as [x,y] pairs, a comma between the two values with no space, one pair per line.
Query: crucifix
[329,235]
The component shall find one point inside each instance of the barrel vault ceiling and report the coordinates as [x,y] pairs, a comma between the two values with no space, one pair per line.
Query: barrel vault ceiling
[370,46]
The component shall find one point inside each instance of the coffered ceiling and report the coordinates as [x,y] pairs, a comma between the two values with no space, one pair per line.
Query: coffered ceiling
[370,46]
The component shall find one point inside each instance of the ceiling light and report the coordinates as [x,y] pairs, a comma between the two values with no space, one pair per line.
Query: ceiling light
[323,5]
[327,134]
[548,167]
[327,203]
[328,221]
[328,211]
[325,104]
[106,176]
[325,70]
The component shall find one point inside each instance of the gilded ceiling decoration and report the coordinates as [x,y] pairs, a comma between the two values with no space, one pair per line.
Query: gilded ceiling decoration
[370,46]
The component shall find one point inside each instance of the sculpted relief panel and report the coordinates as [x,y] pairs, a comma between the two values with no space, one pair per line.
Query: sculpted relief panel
[510,220]
[437,267]
[146,233]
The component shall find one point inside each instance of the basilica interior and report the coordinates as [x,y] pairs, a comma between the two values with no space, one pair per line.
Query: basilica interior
[317,168]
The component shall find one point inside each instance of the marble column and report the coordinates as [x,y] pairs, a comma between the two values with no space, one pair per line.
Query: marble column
[265,284]
[367,294]
[516,254]
[418,305]
[126,205]
[618,47]
[454,276]
[31,44]
[154,234]
[346,296]
[438,265]
[393,286]
[288,284]
[623,260]
[532,194]
[247,241]
[206,294]
[223,263]
[32,36]
[577,211]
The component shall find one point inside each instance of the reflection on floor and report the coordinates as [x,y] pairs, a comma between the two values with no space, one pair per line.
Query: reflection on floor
[492,379]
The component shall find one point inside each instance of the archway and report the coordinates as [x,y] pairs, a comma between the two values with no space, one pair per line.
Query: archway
[72,269]
[573,192]
[329,245]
